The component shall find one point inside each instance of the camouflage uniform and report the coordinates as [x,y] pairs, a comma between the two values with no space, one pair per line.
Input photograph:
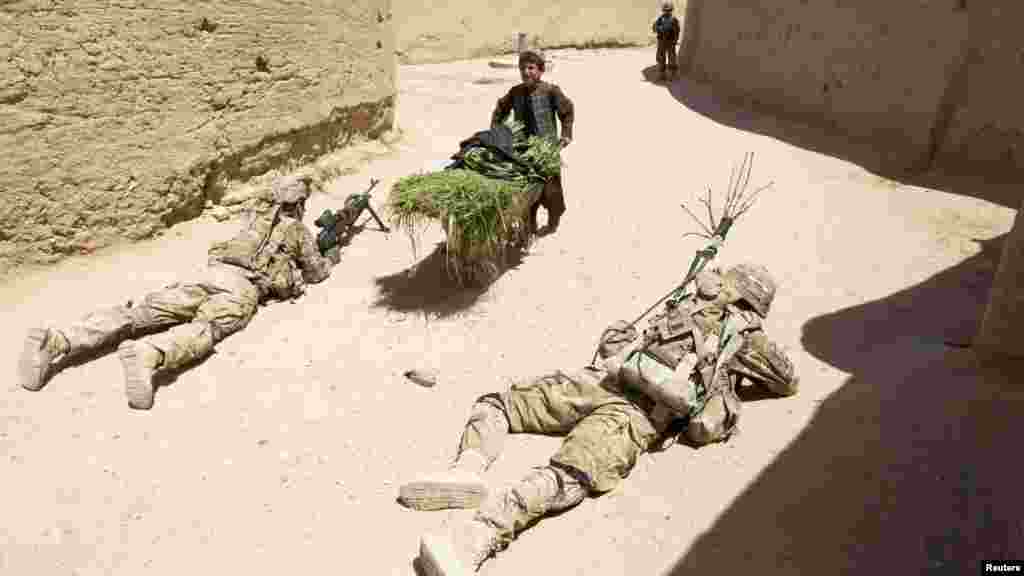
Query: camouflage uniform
[607,422]
[536,107]
[274,256]
[667,40]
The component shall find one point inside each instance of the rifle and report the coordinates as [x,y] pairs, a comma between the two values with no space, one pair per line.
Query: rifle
[337,228]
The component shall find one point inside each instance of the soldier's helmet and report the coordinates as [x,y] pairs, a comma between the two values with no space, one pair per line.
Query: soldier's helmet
[667,7]
[752,284]
[290,189]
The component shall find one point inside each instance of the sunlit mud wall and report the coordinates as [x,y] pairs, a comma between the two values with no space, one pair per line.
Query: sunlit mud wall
[118,119]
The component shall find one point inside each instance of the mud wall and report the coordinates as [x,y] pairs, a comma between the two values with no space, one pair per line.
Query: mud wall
[987,133]
[873,70]
[1000,329]
[119,118]
[438,30]
[986,127]
[904,75]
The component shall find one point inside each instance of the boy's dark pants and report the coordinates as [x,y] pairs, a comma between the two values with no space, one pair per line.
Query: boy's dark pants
[666,50]
[553,200]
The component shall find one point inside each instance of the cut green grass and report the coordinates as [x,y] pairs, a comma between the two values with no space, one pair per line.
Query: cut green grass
[483,208]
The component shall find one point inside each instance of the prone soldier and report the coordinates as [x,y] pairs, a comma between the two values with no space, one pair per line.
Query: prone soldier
[273,257]
[681,374]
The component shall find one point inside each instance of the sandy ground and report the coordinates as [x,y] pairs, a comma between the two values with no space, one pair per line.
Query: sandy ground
[283,452]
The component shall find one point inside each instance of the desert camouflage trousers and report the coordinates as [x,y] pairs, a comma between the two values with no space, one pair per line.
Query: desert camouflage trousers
[199,314]
[605,432]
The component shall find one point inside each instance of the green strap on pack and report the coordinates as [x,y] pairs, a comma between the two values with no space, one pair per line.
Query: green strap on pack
[729,344]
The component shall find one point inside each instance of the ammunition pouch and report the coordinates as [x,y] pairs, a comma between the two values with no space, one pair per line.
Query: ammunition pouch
[719,413]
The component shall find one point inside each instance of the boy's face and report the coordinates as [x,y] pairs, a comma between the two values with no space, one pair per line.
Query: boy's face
[530,72]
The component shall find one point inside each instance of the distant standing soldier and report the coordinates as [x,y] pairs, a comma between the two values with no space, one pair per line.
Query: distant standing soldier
[273,257]
[666,27]
[535,104]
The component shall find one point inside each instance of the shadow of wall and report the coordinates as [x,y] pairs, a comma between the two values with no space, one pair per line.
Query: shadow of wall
[908,468]
[736,111]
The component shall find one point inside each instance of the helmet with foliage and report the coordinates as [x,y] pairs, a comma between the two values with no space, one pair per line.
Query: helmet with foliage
[752,284]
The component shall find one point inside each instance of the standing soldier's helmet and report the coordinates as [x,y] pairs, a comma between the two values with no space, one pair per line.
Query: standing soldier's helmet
[291,189]
[752,284]
[666,7]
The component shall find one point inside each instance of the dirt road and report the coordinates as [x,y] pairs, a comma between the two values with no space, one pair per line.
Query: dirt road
[283,452]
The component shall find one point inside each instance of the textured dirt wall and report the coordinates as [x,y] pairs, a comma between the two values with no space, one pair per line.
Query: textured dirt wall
[986,132]
[1000,328]
[437,30]
[120,118]
[873,70]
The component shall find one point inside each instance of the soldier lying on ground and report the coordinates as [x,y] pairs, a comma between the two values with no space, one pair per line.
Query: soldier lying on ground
[274,256]
[680,375]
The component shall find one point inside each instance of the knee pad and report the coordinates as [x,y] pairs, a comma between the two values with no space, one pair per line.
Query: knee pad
[548,489]
[490,410]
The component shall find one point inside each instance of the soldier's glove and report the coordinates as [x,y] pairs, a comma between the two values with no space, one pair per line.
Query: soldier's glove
[326,220]
[334,255]
[328,236]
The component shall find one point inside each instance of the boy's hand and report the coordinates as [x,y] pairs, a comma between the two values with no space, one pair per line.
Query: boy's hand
[564,141]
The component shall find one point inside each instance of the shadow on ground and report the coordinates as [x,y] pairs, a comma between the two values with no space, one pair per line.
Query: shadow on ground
[745,115]
[428,288]
[909,468]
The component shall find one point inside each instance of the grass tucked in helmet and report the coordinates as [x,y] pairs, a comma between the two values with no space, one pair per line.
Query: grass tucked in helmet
[483,208]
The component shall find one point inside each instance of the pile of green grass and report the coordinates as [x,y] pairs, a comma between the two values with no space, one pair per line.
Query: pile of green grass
[483,208]
[481,216]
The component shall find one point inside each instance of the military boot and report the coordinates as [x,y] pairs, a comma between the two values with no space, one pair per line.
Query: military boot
[459,551]
[460,486]
[42,347]
[140,361]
